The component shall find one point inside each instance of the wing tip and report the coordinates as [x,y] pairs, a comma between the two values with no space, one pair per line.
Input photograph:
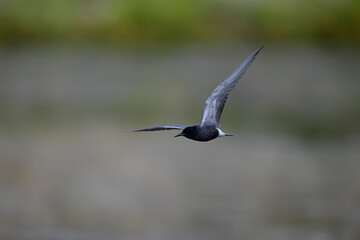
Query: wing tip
[137,130]
[160,128]
[257,51]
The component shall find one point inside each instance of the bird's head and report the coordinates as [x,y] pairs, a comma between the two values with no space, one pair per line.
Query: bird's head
[186,132]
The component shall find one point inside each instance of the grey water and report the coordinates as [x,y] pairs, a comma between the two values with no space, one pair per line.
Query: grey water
[70,170]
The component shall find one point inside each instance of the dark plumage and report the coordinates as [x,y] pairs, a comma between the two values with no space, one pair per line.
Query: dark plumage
[209,127]
[200,133]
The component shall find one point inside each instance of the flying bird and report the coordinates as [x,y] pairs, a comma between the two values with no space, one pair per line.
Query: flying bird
[209,128]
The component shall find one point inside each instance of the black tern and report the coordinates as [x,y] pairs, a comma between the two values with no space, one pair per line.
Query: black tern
[209,128]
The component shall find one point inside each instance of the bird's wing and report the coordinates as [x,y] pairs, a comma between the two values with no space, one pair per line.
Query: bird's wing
[214,105]
[159,128]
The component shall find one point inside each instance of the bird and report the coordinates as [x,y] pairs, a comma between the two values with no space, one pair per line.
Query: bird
[209,128]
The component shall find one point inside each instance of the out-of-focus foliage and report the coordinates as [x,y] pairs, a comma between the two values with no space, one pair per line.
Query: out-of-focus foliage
[151,22]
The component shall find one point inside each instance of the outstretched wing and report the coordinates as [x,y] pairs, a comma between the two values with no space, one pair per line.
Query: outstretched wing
[159,128]
[214,105]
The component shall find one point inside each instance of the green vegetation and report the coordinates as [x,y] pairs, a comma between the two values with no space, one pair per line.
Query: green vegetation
[153,22]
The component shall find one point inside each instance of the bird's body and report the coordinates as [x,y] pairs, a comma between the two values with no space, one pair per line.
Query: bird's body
[214,105]
[200,133]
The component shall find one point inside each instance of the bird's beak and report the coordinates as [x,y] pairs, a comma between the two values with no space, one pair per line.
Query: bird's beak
[179,135]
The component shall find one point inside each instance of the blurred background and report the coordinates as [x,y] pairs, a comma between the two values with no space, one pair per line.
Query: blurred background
[75,76]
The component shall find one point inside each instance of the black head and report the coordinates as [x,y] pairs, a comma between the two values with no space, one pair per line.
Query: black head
[187,132]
